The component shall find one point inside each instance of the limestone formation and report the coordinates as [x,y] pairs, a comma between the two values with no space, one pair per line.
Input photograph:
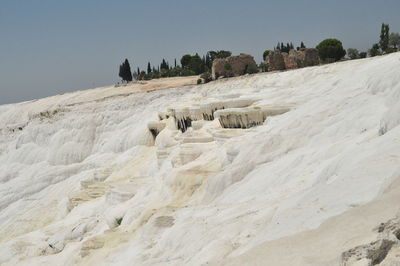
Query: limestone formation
[277,60]
[155,127]
[303,58]
[233,66]
[247,117]
[184,116]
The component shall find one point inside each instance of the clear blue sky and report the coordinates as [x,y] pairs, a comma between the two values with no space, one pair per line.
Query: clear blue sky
[49,47]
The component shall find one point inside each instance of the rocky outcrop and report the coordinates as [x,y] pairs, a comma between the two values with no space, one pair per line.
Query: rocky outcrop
[277,60]
[233,66]
[304,57]
[384,250]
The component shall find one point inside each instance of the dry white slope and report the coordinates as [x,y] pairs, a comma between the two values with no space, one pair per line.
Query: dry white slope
[299,189]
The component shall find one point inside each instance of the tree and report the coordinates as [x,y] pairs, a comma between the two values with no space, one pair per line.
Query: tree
[302,45]
[148,68]
[164,65]
[185,60]
[363,54]
[374,51]
[331,49]
[196,64]
[384,37]
[125,71]
[250,69]
[223,54]
[212,55]
[265,54]
[353,53]
[175,62]
[208,60]
[394,40]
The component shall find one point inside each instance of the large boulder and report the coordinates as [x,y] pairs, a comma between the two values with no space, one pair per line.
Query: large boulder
[303,58]
[277,60]
[233,66]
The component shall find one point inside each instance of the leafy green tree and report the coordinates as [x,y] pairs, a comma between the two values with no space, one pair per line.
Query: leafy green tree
[196,64]
[374,51]
[353,53]
[363,54]
[384,37]
[331,49]
[394,40]
[216,54]
[185,60]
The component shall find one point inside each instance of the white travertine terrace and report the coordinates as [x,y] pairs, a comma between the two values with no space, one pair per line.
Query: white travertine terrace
[155,127]
[247,117]
[83,181]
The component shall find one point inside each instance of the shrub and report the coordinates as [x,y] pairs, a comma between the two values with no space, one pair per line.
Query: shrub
[199,81]
[265,54]
[353,53]
[263,67]
[206,76]
[331,50]
[188,72]
[363,55]
[374,51]
[250,69]
[227,66]
[394,40]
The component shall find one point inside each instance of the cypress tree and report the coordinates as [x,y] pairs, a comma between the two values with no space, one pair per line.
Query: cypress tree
[148,68]
[128,72]
[163,65]
[175,62]
[125,71]
[302,45]
[384,38]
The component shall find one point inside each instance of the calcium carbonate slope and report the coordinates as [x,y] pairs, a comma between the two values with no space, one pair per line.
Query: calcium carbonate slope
[84,181]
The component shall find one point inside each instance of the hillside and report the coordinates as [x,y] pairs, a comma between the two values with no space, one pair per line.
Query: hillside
[312,177]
